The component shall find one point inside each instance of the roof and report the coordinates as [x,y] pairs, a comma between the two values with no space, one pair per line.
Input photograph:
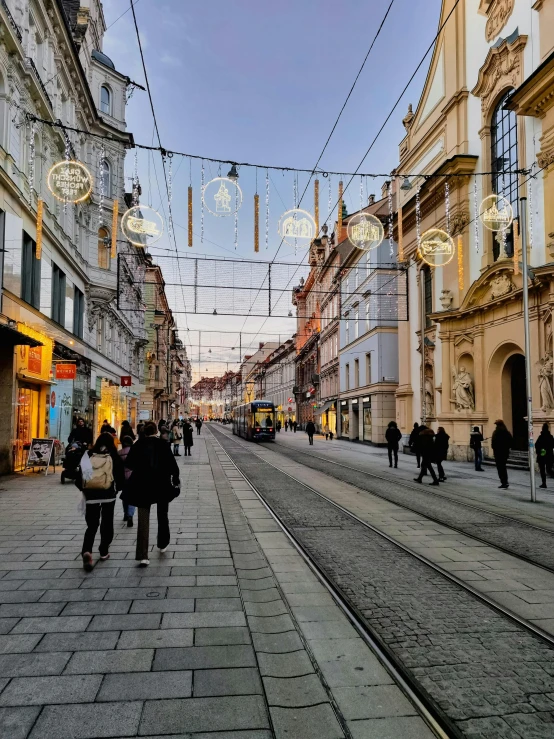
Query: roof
[103,59]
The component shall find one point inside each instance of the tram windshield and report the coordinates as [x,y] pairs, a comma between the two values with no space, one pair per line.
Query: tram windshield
[263,418]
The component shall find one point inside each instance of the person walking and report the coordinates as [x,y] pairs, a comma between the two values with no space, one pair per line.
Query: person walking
[545,452]
[140,430]
[501,443]
[161,423]
[100,483]
[441,451]
[331,434]
[107,427]
[393,436]
[278,427]
[310,430]
[426,448]
[155,481]
[198,425]
[413,443]
[126,430]
[188,439]
[128,510]
[175,437]
[81,434]
[294,426]
[476,443]
[164,434]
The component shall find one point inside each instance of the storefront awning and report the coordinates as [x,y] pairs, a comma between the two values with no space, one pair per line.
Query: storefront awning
[12,337]
[324,407]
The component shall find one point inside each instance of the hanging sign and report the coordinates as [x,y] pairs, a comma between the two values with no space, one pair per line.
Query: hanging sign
[365,231]
[496,213]
[290,400]
[222,197]
[70,181]
[436,247]
[142,225]
[126,381]
[297,228]
[66,371]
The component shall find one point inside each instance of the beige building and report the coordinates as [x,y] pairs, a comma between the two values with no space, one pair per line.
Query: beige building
[486,107]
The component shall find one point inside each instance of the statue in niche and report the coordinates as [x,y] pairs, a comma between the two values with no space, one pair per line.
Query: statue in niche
[429,396]
[462,390]
[546,371]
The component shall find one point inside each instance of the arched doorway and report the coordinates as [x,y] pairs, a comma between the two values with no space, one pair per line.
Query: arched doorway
[514,399]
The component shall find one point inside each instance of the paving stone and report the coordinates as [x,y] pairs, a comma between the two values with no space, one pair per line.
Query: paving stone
[97,608]
[171,605]
[277,643]
[204,714]
[19,643]
[26,665]
[348,663]
[260,596]
[391,728]
[19,596]
[291,664]
[328,630]
[20,610]
[309,599]
[36,691]
[202,605]
[57,624]
[128,622]
[223,591]
[271,624]
[134,593]
[317,613]
[89,594]
[379,701]
[92,721]
[273,608]
[146,686]
[205,619]
[7,624]
[15,723]
[241,681]
[293,692]
[265,583]
[78,642]
[202,658]
[155,639]
[315,722]
[120,660]
[59,584]
[221,637]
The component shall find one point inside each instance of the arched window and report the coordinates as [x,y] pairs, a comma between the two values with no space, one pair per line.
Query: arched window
[104,248]
[504,160]
[106,177]
[105,100]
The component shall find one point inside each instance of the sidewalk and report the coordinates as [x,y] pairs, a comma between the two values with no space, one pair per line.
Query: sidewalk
[201,644]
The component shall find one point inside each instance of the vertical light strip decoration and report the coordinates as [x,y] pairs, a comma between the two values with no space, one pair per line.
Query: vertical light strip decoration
[400,236]
[339,214]
[390,235]
[267,209]
[38,251]
[190,215]
[460,262]
[256,222]
[476,213]
[202,185]
[418,221]
[316,206]
[517,246]
[114,227]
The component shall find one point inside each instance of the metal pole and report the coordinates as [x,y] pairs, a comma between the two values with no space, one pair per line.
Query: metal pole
[527,334]
[423,320]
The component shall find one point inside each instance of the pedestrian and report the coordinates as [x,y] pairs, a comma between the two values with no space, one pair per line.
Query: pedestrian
[501,443]
[310,430]
[128,510]
[476,442]
[331,434]
[175,437]
[100,486]
[326,431]
[286,424]
[107,427]
[413,443]
[81,434]
[198,425]
[278,427]
[154,480]
[426,449]
[140,430]
[126,430]
[294,425]
[545,452]
[161,423]
[393,436]
[441,451]
[164,434]
[187,437]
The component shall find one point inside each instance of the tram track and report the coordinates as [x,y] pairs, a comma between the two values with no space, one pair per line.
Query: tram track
[336,528]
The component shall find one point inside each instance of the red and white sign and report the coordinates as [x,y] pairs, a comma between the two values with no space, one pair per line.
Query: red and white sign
[34,363]
[126,380]
[290,408]
[290,400]
[66,371]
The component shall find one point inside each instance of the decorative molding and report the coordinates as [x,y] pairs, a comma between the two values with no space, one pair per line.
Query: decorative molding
[500,285]
[503,68]
[545,158]
[498,13]
[463,337]
[458,222]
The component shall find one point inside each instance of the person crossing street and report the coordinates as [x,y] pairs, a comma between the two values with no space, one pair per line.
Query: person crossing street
[310,430]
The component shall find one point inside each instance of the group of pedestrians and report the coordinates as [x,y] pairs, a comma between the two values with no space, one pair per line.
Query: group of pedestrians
[289,425]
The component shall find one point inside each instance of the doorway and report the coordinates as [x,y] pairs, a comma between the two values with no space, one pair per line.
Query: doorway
[516,368]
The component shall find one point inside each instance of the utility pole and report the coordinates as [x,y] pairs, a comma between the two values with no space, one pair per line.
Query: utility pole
[527,332]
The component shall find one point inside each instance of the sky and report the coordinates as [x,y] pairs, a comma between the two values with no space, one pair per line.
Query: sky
[263,83]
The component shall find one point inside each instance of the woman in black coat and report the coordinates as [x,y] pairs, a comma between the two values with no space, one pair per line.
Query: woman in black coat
[126,430]
[188,438]
[545,452]
[441,451]
[154,480]
[393,436]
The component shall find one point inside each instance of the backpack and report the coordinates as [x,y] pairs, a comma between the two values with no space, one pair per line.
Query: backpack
[102,473]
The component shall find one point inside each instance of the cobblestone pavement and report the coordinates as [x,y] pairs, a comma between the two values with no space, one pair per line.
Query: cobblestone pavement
[491,677]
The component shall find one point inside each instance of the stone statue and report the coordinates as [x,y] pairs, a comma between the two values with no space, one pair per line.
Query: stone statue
[446,298]
[545,383]
[462,390]
[429,397]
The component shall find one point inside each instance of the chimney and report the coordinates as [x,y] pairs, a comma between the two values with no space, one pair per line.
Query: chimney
[371,199]
[385,189]
[262,344]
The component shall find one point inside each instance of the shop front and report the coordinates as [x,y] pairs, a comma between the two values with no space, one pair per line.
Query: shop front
[366,421]
[113,405]
[328,417]
[344,419]
[69,399]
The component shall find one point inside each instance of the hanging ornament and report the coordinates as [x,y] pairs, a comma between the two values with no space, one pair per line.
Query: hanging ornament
[70,181]
[115,215]
[339,214]
[365,231]
[222,196]
[316,206]
[135,181]
[32,160]
[436,247]
[391,239]
[400,236]
[447,205]
[267,209]
[530,222]
[169,195]
[329,201]
[190,214]
[517,247]
[496,213]
[40,207]
[237,206]
[460,263]
[142,225]
[297,228]
[476,214]
[102,182]
[361,193]
[202,203]
[418,217]
[256,222]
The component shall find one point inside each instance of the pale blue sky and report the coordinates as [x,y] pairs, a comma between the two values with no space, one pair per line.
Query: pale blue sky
[263,82]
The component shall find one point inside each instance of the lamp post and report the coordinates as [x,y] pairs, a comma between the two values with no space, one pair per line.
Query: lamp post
[526,330]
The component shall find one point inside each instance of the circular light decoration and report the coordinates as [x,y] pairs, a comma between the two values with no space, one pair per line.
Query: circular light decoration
[222,197]
[436,247]
[365,231]
[142,225]
[297,228]
[70,181]
[496,213]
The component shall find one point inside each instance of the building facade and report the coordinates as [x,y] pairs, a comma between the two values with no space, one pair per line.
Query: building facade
[277,377]
[329,281]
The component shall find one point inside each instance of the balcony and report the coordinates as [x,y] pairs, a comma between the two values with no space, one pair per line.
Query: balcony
[31,65]
[11,20]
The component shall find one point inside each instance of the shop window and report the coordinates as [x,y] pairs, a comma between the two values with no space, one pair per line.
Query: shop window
[103,248]
[504,160]
[105,100]
[30,272]
[78,312]
[58,295]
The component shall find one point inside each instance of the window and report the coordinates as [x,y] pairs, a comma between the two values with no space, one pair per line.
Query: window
[103,248]
[30,272]
[504,158]
[367,314]
[78,312]
[356,323]
[347,329]
[347,377]
[428,277]
[106,177]
[58,295]
[105,100]
[356,373]
[357,276]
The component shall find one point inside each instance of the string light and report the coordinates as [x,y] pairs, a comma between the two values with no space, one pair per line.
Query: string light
[339,214]
[67,151]
[460,263]
[135,181]
[361,193]
[102,183]
[256,222]
[267,209]
[316,206]
[329,200]
[294,213]
[476,214]
[190,214]
[169,195]
[202,203]
[237,206]
[447,206]
[32,161]
[114,227]
[391,241]
[531,178]
[517,247]
[38,250]
[400,235]
[418,218]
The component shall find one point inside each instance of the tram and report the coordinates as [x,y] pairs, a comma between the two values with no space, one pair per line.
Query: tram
[255,421]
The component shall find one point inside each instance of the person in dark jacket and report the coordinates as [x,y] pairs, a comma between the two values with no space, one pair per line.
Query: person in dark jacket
[294,425]
[310,430]
[81,434]
[188,440]
[476,443]
[107,428]
[100,503]
[413,443]
[426,448]
[164,434]
[545,452]
[161,423]
[441,451]
[128,510]
[393,436]
[126,430]
[140,430]
[501,443]
[154,480]
[198,425]
[278,426]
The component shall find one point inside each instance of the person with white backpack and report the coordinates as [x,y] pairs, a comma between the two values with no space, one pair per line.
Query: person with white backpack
[99,485]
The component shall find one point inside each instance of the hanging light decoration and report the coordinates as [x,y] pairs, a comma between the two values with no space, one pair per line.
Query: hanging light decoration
[496,213]
[237,206]
[142,225]
[418,217]
[391,240]
[447,205]
[316,206]
[102,183]
[222,197]
[365,231]
[400,235]
[530,220]
[517,247]
[460,263]
[339,214]
[476,213]
[115,215]
[329,200]
[202,203]
[267,209]
[190,215]
[135,181]
[32,160]
[169,195]
[436,247]
[256,222]
[38,250]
